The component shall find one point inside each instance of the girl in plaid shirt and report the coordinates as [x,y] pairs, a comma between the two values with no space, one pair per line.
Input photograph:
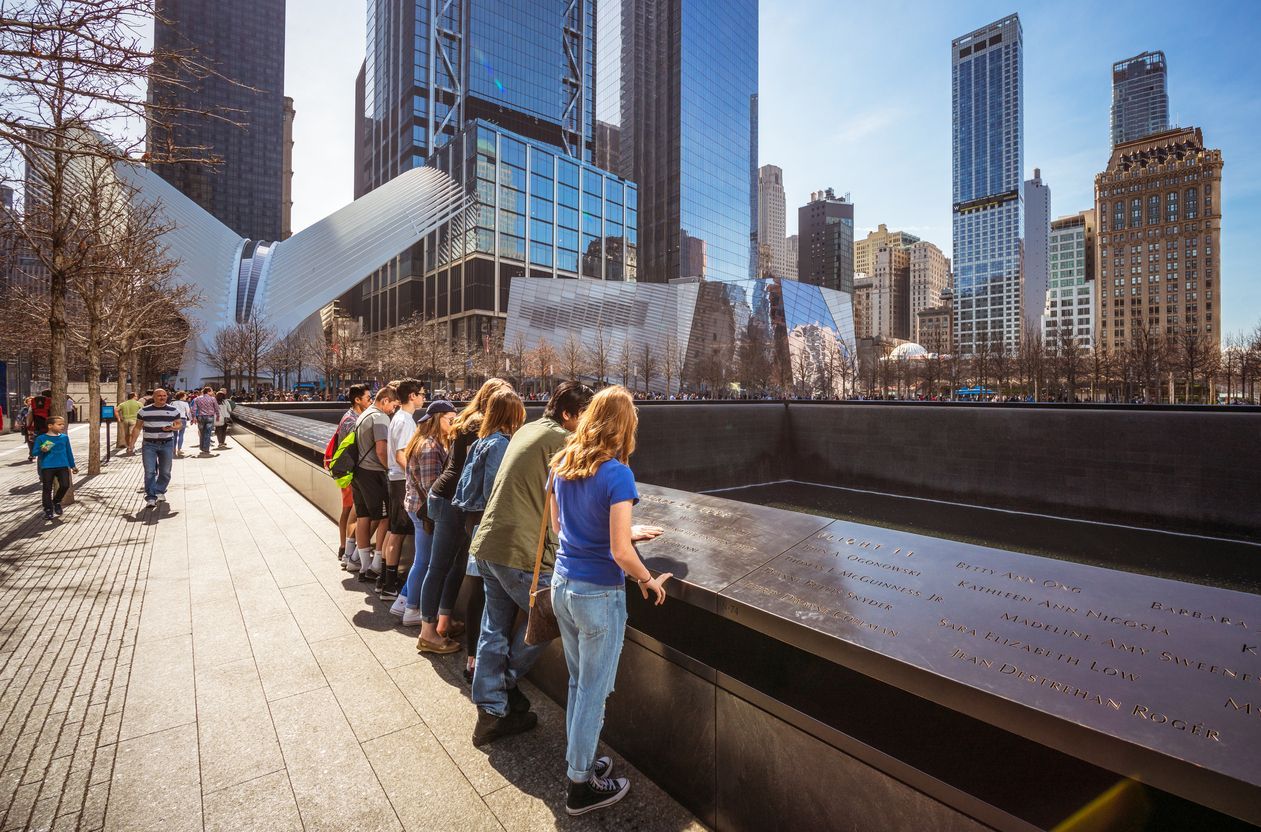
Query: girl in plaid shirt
[426,457]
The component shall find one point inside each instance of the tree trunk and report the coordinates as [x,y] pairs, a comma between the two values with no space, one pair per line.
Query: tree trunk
[94,397]
[121,393]
[57,373]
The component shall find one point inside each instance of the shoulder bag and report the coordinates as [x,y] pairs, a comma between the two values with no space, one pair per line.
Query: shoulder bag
[541,626]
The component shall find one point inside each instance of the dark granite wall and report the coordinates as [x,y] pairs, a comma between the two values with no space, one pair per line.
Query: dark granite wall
[1182,469]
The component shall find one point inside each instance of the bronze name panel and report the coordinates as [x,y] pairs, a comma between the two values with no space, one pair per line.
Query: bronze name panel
[710,542]
[1170,667]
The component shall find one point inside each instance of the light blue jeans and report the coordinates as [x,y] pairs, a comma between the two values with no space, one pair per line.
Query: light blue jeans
[592,619]
[503,657]
[420,563]
[157,458]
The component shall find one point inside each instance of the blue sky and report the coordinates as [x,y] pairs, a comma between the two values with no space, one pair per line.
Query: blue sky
[856,96]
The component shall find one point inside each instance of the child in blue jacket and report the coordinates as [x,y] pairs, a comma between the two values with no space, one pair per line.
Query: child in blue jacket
[56,461]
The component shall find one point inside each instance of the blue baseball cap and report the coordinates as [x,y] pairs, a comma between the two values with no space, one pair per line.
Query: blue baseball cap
[437,408]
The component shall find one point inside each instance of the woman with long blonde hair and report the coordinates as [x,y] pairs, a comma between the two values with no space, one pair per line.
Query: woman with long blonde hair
[426,455]
[591,502]
[448,554]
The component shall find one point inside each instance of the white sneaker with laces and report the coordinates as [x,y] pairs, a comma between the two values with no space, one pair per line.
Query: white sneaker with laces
[352,562]
[399,606]
[150,501]
[411,618]
[161,498]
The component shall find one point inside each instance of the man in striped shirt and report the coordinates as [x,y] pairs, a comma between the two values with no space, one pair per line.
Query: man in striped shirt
[158,422]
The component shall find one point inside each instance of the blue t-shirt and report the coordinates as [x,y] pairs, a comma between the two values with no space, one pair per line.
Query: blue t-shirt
[59,455]
[584,553]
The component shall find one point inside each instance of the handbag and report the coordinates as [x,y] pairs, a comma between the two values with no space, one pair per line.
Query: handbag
[541,626]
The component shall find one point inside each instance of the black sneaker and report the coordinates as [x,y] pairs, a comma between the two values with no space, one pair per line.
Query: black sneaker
[490,727]
[48,514]
[596,793]
[57,509]
[389,586]
[518,703]
[366,575]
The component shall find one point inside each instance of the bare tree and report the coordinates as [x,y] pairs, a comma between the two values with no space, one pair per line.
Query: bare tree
[647,364]
[625,361]
[1069,360]
[1100,367]
[542,361]
[256,338]
[1191,354]
[573,357]
[600,356]
[227,354]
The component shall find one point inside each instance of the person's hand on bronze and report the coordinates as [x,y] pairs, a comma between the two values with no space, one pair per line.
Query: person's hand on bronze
[657,585]
[640,533]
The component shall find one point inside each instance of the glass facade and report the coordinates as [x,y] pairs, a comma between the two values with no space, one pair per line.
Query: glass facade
[244,190]
[433,66]
[988,160]
[754,335]
[1140,97]
[685,130]
[539,213]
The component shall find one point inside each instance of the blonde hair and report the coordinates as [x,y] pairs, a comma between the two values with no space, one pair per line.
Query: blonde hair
[605,431]
[505,412]
[425,431]
[468,418]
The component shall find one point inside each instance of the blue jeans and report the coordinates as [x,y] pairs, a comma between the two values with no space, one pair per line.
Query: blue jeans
[420,562]
[503,657]
[205,429]
[448,557]
[157,458]
[592,619]
[179,439]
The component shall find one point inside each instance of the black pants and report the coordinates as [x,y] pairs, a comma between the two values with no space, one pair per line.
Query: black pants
[473,615]
[221,433]
[46,477]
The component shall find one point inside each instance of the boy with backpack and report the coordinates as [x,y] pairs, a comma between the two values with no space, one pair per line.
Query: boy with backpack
[360,398]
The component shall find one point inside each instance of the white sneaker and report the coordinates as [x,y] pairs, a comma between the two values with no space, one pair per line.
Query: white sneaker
[352,562]
[411,618]
[399,606]
[378,563]
[150,501]
[161,498]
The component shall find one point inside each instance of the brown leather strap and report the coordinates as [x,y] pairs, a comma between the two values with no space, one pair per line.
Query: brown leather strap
[538,554]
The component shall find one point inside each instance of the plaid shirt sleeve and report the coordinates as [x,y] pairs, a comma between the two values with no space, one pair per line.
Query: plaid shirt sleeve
[432,461]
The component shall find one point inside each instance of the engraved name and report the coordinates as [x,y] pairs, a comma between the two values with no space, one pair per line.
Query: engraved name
[1203,616]
[1066,688]
[1195,728]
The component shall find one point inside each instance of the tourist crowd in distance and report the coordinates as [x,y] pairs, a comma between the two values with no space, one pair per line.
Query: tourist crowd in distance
[515,515]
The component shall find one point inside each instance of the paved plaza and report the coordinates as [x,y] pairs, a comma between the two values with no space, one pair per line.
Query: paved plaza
[207,665]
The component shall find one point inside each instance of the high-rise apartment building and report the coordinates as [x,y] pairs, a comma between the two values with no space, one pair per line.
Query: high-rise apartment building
[524,65]
[771,218]
[929,277]
[1069,317]
[891,293]
[243,191]
[988,162]
[1140,97]
[685,124]
[932,328]
[864,325]
[1159,209]
[1037,249]
[866,248]
[790,257]
[825,230]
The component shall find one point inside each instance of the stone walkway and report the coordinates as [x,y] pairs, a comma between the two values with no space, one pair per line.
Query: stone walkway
[208,666]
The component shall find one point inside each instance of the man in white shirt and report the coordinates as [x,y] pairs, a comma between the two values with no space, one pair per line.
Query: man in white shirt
[411,396]
[186,414]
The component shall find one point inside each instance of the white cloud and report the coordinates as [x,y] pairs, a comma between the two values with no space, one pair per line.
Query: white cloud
[863,125]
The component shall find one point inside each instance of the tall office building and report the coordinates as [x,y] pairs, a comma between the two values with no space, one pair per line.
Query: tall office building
[1037,249]
[1069,317]
[1159,209]
[244,191]
[790,257]
[890,293]
[866,248]
[771,210]
[1140,97]
[286,179]
[987,212]
[825,228]
[686,127]
[930,276]
[527,66]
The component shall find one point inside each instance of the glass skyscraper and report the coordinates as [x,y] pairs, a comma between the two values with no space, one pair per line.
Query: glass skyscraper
[684,127]
[1140,97]
[988,161]
[244,190]
[431,67]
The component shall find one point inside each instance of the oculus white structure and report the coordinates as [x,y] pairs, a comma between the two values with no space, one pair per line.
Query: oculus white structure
[290,280]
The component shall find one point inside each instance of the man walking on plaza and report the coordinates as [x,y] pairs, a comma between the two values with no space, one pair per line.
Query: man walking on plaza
[159,422]
[205,410]
[505,547]
[360,399]
[370,485]
[411,395]
[126,415]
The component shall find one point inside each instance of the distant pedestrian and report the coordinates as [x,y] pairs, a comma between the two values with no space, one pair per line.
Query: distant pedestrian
[56,462]
[205,410]
[222,418]
[186,414]
[37,419]
[70,409]
[159,422]
[125,413]
[23,421]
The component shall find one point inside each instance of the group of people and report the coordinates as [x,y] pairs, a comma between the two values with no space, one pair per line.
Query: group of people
[502,506]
